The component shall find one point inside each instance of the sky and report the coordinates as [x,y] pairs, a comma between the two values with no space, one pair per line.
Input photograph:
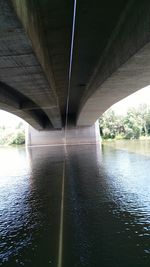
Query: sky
[140,97]
[9,120]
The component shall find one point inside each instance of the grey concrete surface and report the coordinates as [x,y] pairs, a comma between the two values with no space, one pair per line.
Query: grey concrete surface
[124,66]
[48,25]
[73,136]
[21,70]
[130,77]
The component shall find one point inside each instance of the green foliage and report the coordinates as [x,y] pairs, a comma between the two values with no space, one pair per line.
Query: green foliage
[9,137]
[133,125]
[18,139]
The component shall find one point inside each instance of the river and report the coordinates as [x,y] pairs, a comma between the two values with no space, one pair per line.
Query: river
[106,205]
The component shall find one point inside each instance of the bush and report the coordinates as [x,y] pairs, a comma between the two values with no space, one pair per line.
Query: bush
[129,133]
[119,137]
[18,139]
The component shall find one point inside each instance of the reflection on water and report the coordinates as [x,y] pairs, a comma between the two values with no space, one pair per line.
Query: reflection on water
[128,182]
[137,146]
[106,207]
[29,215]
[109,201]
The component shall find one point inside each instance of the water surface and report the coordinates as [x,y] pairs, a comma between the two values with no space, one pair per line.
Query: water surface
[106,206]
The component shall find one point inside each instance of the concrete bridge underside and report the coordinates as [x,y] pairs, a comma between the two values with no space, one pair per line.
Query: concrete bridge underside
[111,58]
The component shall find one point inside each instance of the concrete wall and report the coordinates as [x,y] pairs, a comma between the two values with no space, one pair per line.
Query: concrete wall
[74,136]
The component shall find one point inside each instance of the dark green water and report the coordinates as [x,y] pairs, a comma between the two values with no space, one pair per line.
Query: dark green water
[106,206]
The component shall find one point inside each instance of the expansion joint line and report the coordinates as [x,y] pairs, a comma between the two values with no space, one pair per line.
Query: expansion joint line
[60,248]
[70,68]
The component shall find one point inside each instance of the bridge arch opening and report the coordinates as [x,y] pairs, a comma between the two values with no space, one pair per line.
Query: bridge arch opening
[12,129]
[128,118]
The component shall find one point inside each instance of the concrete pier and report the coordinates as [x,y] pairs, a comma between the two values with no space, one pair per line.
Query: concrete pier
[74,136]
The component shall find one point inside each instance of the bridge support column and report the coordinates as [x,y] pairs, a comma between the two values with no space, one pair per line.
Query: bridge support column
[74,136]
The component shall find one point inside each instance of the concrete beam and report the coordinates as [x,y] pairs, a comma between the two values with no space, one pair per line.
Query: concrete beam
[95,22]
[19,67]
[13,102]
[30,118]
[124,67]
[48,24]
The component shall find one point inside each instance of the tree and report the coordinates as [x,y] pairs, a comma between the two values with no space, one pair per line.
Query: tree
[110,125]
[131,126]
